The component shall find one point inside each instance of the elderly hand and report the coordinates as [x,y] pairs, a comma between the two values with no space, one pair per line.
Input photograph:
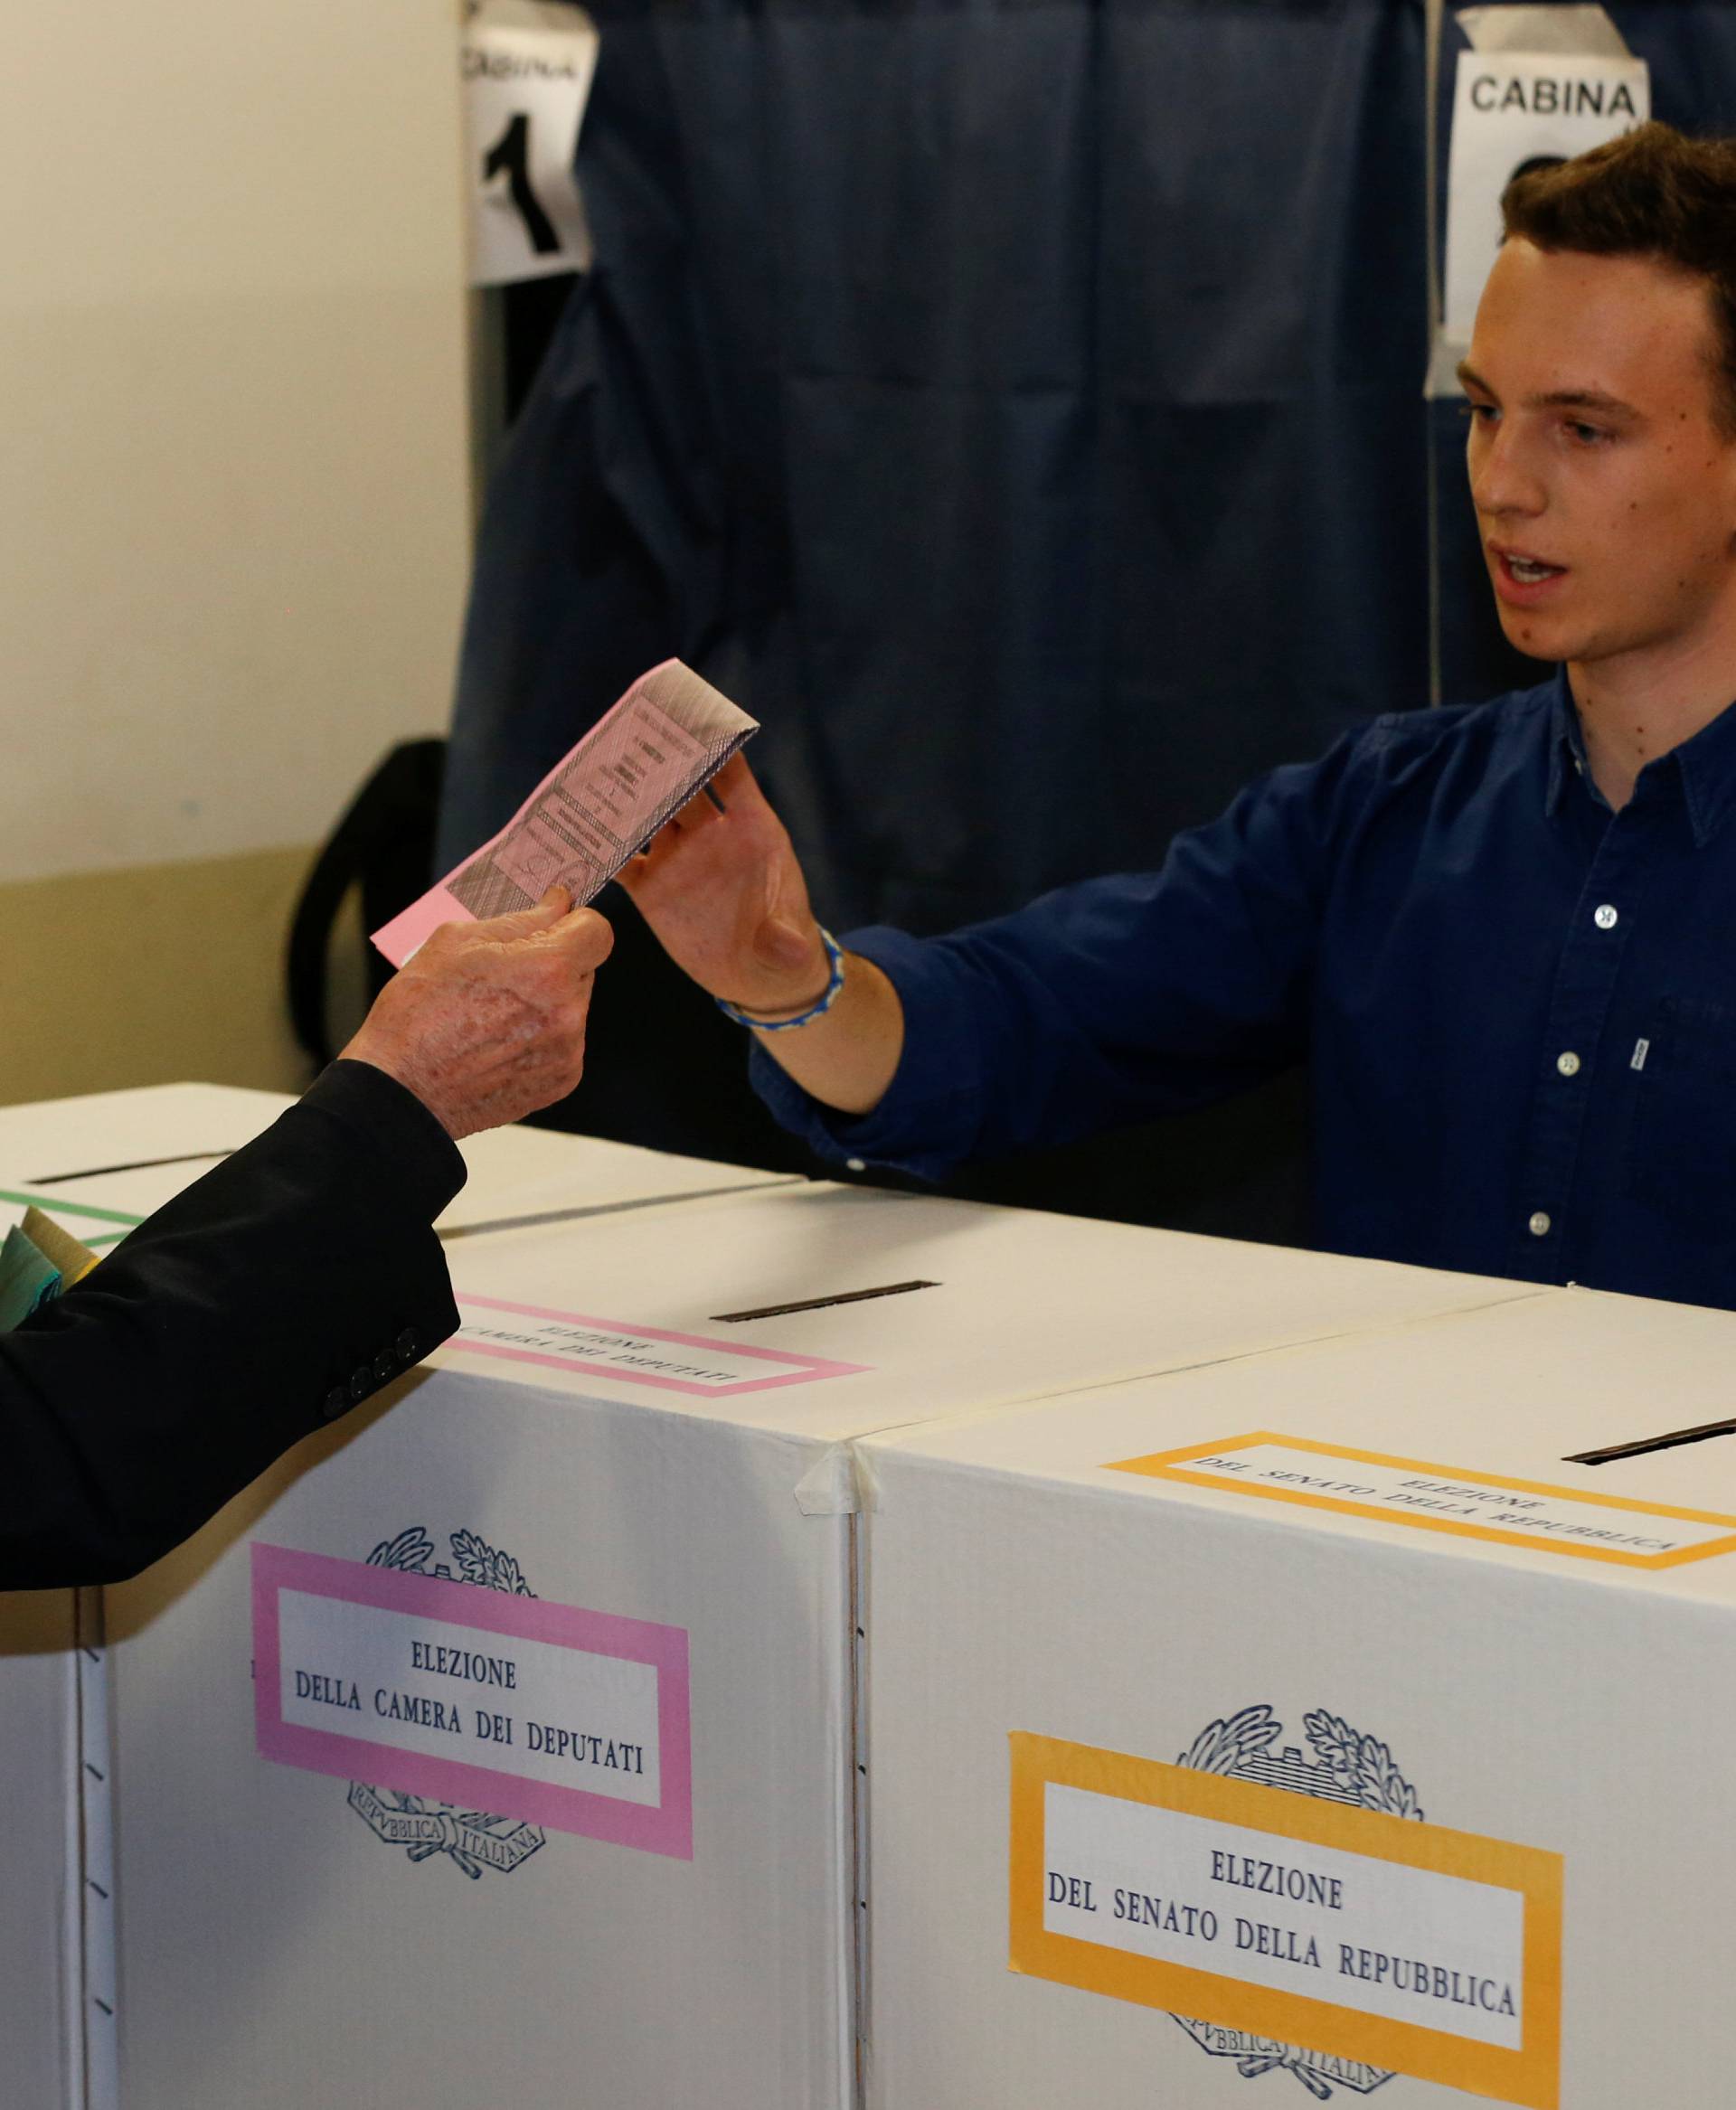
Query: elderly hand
[486,1021]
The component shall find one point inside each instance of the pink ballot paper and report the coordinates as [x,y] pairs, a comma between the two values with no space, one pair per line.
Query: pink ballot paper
[668,736]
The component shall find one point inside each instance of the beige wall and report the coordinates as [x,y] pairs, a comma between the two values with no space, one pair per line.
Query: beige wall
[160,974]
[234,498]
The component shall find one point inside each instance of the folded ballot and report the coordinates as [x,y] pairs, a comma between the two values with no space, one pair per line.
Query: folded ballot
[37,1261]
[642,761]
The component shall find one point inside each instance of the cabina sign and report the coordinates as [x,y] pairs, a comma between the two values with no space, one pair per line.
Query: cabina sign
[1513,111]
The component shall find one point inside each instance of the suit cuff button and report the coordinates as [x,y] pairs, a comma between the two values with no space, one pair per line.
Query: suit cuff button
[360,1383]
[409,1347]
[337,1401]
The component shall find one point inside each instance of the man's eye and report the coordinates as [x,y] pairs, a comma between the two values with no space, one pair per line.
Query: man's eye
[1585,435]
[1478,413]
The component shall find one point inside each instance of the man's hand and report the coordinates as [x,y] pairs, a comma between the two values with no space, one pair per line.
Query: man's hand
[486,1022]
[726,899]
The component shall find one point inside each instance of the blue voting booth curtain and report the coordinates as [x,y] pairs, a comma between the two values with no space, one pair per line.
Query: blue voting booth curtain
[1017,406]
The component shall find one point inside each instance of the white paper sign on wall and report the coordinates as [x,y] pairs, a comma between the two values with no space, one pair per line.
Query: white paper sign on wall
[524,93]
[1513,109]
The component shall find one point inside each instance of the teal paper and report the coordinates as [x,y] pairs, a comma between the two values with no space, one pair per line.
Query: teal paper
[28,1279]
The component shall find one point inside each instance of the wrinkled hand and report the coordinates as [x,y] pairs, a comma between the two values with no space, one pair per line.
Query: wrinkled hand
[727,900]
[486,1021]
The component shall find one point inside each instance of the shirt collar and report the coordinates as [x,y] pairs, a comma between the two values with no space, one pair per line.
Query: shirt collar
[1566,746]
[1706,764]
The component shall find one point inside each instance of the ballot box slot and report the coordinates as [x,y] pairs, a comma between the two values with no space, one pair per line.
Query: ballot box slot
[819,1304]
[140,1164]
[446,1233]
[1704,1432]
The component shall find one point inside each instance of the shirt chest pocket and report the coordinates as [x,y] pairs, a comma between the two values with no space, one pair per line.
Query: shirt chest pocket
[1682,1158]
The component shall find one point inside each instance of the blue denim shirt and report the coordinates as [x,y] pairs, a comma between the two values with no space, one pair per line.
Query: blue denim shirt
[1518,1008]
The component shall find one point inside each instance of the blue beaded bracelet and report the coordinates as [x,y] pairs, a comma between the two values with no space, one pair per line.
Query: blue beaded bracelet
[828,998]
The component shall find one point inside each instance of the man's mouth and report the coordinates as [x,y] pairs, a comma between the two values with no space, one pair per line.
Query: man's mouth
[1523,569]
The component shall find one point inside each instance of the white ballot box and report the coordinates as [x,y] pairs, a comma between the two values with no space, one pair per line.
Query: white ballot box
[500,1747]
[97,1164]
[1314,1721]
[40,2053]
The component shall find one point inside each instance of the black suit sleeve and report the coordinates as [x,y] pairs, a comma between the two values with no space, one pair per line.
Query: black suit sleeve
[271,1297]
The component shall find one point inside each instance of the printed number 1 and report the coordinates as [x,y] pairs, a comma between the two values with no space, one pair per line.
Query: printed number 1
[512,151]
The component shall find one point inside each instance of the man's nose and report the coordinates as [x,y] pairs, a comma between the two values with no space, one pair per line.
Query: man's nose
[1503,479]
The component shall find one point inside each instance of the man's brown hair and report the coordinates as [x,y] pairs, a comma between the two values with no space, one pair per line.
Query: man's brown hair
[1654,192]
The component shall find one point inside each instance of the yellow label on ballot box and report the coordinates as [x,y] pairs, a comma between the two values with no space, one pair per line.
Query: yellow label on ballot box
[1442,1498]
[1374,1939]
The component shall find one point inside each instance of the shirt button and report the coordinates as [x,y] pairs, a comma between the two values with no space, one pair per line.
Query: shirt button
[1568,1064]
[1539,1224]
[855,1165]
[1605,916]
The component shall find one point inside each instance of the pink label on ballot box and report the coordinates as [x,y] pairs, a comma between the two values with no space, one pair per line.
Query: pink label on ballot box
[474,1698]
[633,1355]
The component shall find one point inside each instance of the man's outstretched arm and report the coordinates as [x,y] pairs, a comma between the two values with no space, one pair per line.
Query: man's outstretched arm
[1106,1001]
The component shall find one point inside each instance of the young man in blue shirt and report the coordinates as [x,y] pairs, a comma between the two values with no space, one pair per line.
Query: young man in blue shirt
[1502,936]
